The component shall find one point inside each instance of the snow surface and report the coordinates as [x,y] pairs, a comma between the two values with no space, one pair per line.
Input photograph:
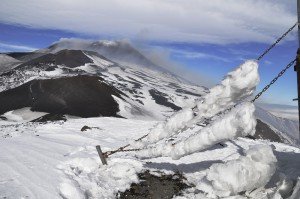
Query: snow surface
[23,114]
[57,159]
[96,181]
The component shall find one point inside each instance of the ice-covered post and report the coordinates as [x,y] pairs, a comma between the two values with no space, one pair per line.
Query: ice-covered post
[297,67]
[102,157]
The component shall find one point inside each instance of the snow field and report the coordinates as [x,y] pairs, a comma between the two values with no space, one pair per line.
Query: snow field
[63,161]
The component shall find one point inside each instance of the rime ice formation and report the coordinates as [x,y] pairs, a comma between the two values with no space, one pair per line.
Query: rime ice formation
[236,86]
[248,172]
[237,123]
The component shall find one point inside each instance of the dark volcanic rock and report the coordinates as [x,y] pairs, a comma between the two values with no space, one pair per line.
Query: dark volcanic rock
[151,186]
[50,118]
[69,58]
[85,128]
[263,131]
[187,92]
[160,98]
[84,96]
[25,56]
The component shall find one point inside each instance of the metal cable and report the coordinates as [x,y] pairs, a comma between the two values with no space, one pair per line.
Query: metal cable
[277,41]
[122,149]
[273,80]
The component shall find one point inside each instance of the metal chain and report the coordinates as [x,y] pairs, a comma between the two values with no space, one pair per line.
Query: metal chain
[273,80]
[277,41]
[122,149]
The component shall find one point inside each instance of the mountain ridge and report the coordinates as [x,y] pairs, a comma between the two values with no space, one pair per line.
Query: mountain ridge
[148,93]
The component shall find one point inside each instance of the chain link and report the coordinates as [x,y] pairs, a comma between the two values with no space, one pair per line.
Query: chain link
[273,80]
[277,41]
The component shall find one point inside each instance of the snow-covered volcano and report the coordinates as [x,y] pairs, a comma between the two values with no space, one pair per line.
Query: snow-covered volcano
[147,91]
[120,51]
[59,159]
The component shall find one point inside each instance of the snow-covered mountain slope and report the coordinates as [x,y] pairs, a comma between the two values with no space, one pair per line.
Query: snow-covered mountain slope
[24,56]
[285,127]
[7,63]
[283,111]
[148,93]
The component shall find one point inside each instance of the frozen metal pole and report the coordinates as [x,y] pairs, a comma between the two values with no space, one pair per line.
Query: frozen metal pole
[101,155]
[297,67]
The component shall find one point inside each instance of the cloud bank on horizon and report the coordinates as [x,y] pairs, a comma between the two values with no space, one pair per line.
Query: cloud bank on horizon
[192,21]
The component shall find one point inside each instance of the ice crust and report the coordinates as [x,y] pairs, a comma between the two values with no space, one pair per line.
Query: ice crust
[235,87]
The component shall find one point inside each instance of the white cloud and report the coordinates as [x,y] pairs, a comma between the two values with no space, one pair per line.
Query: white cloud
[162,57]
[11,47]
[197,55]
[197,21]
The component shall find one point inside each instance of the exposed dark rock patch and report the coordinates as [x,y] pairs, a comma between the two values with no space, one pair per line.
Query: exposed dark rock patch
[25,56]
[160,98]
[69,58]
[50,118]
[85,128]
[187,92]
[263,131]
[84,96]
[135,84]
[118,51]
[152,187]
[174,85]
[3,118]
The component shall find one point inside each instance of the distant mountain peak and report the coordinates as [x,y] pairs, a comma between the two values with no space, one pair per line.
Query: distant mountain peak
[121,51]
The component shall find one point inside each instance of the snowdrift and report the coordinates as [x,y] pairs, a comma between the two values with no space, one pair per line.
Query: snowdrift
[248,172]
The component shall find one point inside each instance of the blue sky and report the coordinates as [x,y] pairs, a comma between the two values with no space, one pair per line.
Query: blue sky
[201,39]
